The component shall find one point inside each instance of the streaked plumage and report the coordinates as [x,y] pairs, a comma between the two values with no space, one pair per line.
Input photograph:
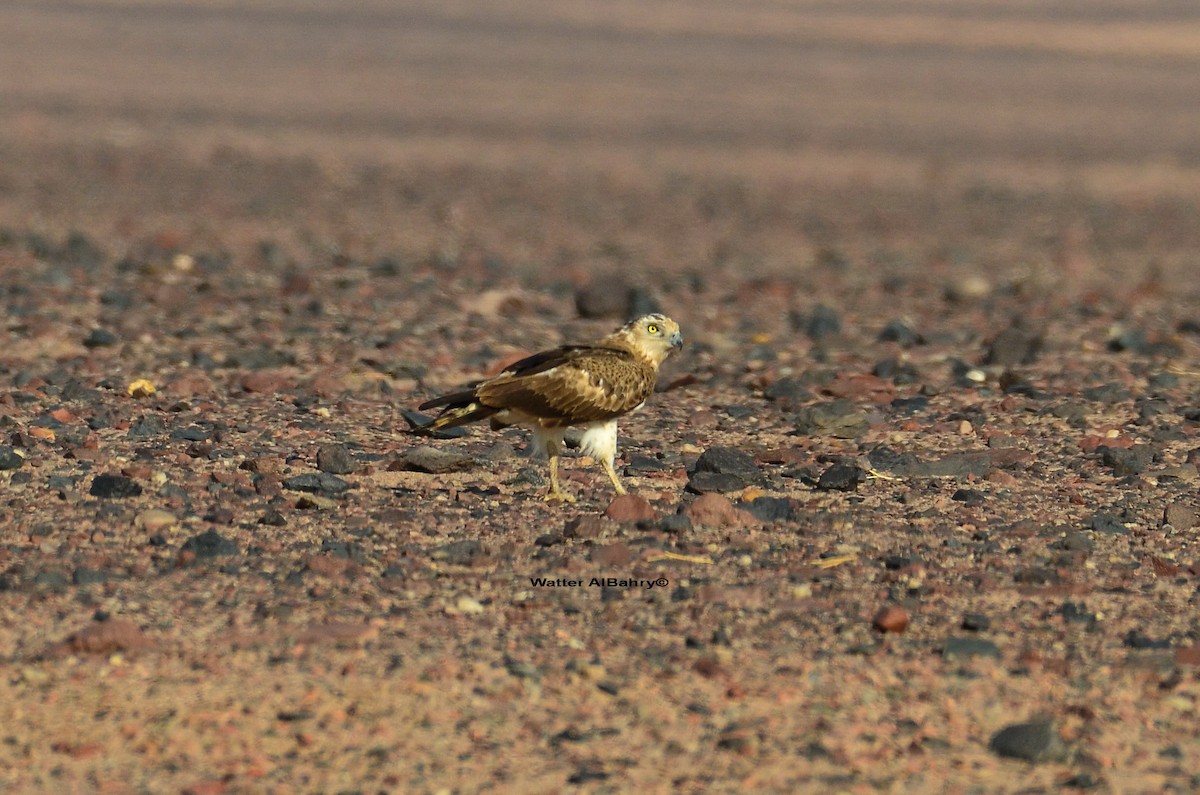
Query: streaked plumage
[575,385]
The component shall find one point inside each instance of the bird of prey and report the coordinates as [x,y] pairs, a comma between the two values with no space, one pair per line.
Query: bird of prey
[590,386]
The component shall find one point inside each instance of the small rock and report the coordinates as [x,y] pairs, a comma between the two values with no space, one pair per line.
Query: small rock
[890,619]
[841,477]
[114,487]
[433,461]
[728,461]
[1035,741]
[899,331]
[338,633]
[100,338]
[715,482]
[770,509]
[466,552]
[976,622]
[715,510]
[468,606]
[616,554]
[106,637]
[148,425]
[335,459]
[209,544]
[614,298]
[788,390]
[1135,639]
[585,527]
[1107,523]
[822,322]
[9,458]
[316,483]
[1126,462]
[1180,516]
[1012,347]
[154,520]
[838,418]
[630,508]
[969,647]
[969,496]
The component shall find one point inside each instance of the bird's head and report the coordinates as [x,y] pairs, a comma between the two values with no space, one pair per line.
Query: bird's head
[654,336]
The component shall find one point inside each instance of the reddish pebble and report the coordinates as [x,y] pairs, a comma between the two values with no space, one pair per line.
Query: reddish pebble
[618,554]
[716,510]
[892,618]
[630,508]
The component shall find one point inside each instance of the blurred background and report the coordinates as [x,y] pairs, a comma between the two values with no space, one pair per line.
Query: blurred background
[566,133]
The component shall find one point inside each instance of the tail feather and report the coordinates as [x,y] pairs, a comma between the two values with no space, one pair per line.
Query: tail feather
[458,408]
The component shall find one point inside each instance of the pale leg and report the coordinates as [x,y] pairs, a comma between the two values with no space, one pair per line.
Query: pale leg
[556,492]
[550,441]
[612,475]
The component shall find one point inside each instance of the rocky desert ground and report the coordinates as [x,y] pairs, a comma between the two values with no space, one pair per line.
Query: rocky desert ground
[915,510]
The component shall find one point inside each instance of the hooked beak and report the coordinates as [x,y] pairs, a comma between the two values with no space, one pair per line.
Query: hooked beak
[676,340]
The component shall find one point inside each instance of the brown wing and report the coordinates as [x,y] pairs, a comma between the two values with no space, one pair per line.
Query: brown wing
[571,385]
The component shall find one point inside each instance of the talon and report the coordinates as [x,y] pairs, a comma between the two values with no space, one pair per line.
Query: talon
[558,496]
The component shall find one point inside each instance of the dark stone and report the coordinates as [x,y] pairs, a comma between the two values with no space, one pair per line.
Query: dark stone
[969,647]
[976,622]
[676,523]
[1074,542]
[149,425]
[614,298]
[838,418]
[822,322]
[433,461]
[1126,461]
[192,433]
[316,483]
[210,544]
[1076,613]
[645,463]
[1132,340]
[788,389]
[1106,393]
[770,509]
[54,580]
[900,373]
[728,461]
[1107,523]
[114,487]
[348,550]
[100,338]
[459,553]
[586,772]
[335,459]
[841,477]
[1012,347]
[1036,575]
[273,518]
[969,496]
[9,458]
[84,576]
[900,332]
[1134,639]
[718,482]
[1034,741]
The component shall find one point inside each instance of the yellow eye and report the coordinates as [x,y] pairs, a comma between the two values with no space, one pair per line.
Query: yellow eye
[652,328]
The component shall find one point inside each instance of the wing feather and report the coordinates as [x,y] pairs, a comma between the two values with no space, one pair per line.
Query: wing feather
[570,385]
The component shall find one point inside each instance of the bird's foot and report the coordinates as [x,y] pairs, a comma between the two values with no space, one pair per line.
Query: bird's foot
[558,495]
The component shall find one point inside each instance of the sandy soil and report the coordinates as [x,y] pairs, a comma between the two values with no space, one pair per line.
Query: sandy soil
[915,510]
